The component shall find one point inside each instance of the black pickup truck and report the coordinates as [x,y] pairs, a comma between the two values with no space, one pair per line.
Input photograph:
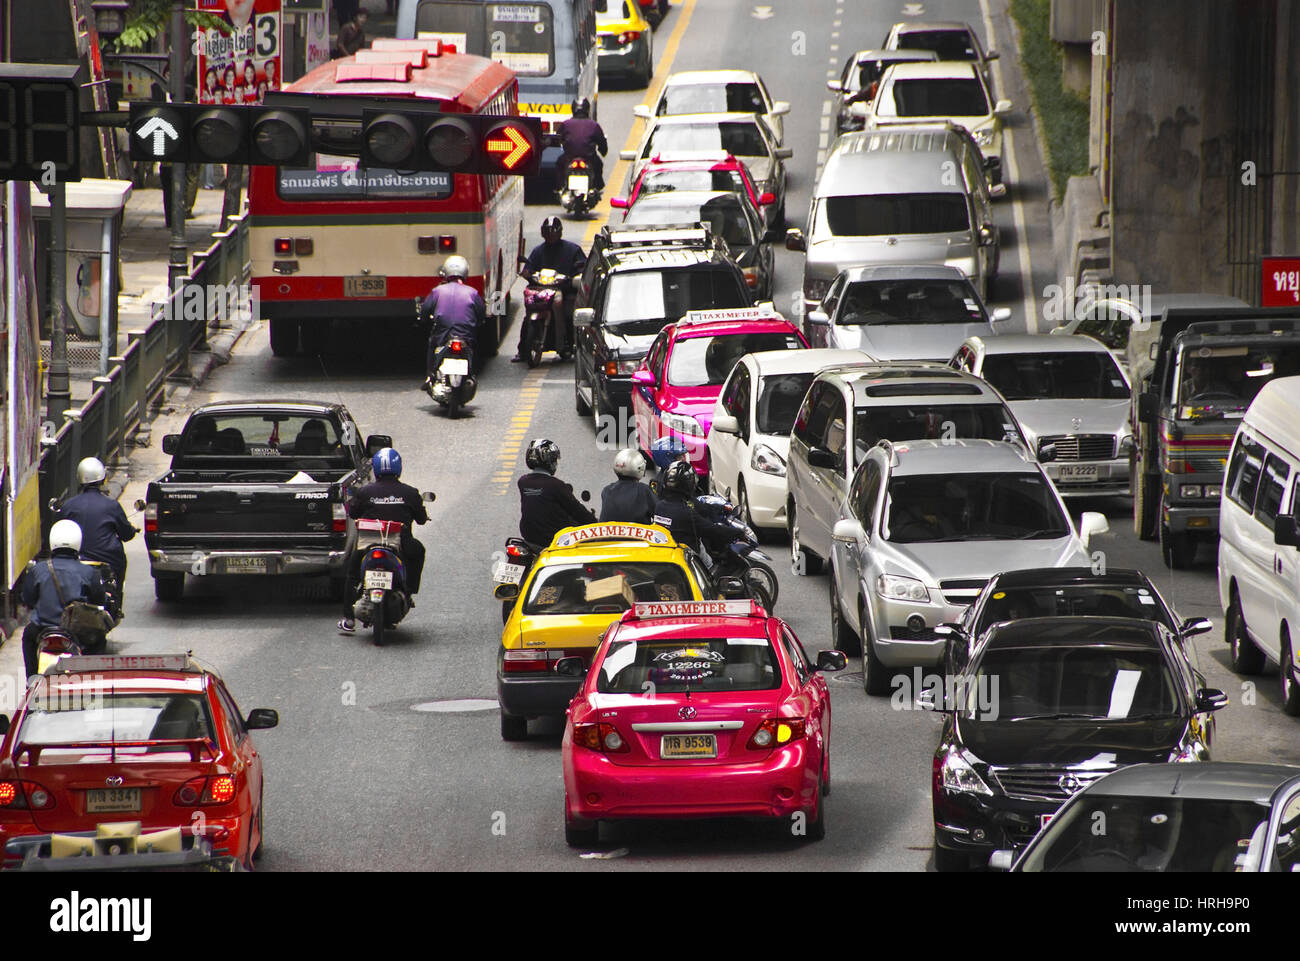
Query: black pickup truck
[257,487]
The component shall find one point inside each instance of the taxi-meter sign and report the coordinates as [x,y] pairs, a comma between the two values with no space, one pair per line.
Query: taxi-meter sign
[734,608]
[629,532]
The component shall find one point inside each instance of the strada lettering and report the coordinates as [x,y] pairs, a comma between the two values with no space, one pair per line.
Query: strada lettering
[73,915]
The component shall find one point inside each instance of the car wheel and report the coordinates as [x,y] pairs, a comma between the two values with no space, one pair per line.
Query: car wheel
[816,830]
[1243,656]
[1145,491]
[168,587]
[802,560]
[1286,668]
[580,834]
[843,638]
[946,861]
[513,728]
[875,676]
[261,830]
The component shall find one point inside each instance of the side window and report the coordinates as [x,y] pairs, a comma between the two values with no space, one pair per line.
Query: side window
[707,590]
[836,434]
[731,391]
[1244,472]
[855,490]
[832,298]
[865,504]
[233,717]
[1271,489]
[656,358]
[1287,851]
[803,422]
[802,668]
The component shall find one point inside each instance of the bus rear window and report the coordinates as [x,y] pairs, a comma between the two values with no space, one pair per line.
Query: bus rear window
[340,178]
[520,36]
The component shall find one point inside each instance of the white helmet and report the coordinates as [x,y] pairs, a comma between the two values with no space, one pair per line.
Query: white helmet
[65,534]
[455,266]
[629,463]
[90,471]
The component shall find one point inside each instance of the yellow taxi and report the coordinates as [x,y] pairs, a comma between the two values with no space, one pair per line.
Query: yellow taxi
[575,590]
[626,44]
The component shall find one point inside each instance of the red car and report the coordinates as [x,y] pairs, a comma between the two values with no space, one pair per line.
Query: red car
[149,738]
[698,709]
[699,170]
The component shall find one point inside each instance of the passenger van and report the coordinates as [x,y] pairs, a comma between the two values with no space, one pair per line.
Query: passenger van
[1259,544]
[911,194]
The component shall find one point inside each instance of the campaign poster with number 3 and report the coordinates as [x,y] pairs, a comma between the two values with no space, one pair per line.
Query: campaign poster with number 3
[239,65]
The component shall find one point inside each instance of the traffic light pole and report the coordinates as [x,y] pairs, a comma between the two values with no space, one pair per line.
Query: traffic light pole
[178,255]
[59,397]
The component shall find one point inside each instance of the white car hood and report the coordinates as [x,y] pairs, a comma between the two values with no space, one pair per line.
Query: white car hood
[1051,417]
[907,341]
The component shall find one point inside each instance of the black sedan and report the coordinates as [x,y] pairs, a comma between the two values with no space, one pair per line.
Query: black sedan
[1220,816]
[1046,707]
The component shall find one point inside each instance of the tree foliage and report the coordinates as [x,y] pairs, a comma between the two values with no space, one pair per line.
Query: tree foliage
[148,19]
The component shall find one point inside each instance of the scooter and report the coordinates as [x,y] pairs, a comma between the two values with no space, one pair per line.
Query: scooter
[382,598]
[741,558]
[577,195]
[452,385]
[543,298]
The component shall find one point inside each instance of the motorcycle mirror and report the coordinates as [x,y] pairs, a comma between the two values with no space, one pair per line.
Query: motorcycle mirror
[586,496]
[140,505]
[429,496]
[53,505]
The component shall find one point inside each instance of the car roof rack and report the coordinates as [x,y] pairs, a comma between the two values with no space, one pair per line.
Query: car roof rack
[699,234]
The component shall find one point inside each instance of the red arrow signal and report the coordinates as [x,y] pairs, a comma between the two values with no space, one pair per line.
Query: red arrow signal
[510,142]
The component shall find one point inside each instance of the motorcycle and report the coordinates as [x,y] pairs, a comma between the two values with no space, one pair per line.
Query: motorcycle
[543,298]
[578,195]
[741,558]
[89,637]
[382,599]
[509,574]
[452,385]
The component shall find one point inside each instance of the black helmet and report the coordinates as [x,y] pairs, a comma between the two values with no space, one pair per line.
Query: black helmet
[543,455]
[680,478]
[582,107]
[552,227]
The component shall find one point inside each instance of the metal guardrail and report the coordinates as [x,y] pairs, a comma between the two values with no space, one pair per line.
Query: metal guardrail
[121,401]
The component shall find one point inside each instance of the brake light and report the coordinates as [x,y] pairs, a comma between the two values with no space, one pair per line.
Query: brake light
[751,276]
[457,346]
[24,796]
[519,662]
[55,643]
[776,732]
[447,244]
[376,555]
[579,164]
[202,791]
[514,550]
[284,245]
[340,518]
[627,36]
[222,789]
[600,737]
[8,793]
[151,518]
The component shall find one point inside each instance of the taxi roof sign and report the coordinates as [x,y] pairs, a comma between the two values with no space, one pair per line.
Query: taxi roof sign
[763,311]
[614,532]
[124,662]
[733,608]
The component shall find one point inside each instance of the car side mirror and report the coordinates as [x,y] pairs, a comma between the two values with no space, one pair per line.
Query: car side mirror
[988,235]
[1000,315]
[1091,524]
[641,110]
[429,496]
[1147,408]
[1002,107]
[818,318]
[377,442]
[820,457]
[1284,531]
[726,423]
[848,530]
[505,592]
[992,55]
[171,443]
[1001,860]
[262,718]
[584,317]
[831,661]
[642,375]
[141,504]
[783,153]
[794,240]
[627,155]
[1210,699]
[766,199]
[1194,626]
[619,202]
[834,86]
[732,588]
[948,629]
[571,667]
[780,108]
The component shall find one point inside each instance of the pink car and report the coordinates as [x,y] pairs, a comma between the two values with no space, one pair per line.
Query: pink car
[676,386]
[698,709]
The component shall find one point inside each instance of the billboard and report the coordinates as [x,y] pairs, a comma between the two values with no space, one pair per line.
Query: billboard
[240,64]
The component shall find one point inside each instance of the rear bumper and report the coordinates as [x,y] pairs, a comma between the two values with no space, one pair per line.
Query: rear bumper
[201,562]
[539,696]
[229,835]
[327,310]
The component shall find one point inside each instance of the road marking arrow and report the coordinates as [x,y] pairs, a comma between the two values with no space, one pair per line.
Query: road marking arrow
[762,13]
[913,10]
[515,147]
[160,130]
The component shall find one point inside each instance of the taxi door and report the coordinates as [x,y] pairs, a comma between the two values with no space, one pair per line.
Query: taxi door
[645,397]
[727,451]
[811,697]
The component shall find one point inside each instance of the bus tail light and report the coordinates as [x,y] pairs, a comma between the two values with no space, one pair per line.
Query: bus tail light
[436,244]
[447,244]
[284,245]
[303,246]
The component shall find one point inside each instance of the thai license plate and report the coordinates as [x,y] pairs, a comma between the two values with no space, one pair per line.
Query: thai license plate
[382,580]
[509,574]
[578,183]
[1076,472]
[688,745]
[365,286]
[454,366]
[245,565]
[113,799]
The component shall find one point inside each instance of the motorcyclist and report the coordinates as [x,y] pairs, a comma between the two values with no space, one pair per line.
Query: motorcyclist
[580,136]
[676,511]
[665,451]
[48,586]
[103,523]
[627,499]
[386,498]
[566,257]
[546,503]
[456,310]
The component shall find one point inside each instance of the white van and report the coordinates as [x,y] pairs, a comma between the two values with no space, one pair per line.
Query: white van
[1259,544]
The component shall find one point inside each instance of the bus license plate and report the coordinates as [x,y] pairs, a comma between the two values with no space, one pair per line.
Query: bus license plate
[379,579]
[688,745]
[1078,472]
[245,565]
[115,799]
[578,183]
[455,366]
[365,286]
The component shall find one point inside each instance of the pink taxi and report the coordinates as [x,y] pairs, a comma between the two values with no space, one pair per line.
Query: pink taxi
[698,709]
[676,386]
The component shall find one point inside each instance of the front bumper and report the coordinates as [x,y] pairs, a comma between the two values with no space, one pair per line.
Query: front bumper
[203,562]
[615,393]
[896,644]
[537,696]
[1197,520]
[978,825]
[1112,478]
[767,498]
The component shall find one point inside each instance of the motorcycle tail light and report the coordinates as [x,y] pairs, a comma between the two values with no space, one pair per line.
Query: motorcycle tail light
[579,165]
[457,346]
[514,550]
[151,519]
[777,732]
[376,555]
[54,643]
[339,518]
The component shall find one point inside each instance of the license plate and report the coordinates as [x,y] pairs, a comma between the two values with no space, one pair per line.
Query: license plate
[508,574]
[245,565]
[379,579]
[452,366]
[1043,819]
[365,286]
[578,183]
[1079,472]
[688,745]
[114,799]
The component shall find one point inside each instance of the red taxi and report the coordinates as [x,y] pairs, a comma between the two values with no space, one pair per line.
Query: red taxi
[700,170]
[675,388]
[154,739]
[698,709]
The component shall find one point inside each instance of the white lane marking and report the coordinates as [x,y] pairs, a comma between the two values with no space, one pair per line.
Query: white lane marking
[913,10]
[762,13]
[455,706]
[824,140]
[1011,175]
[826,108]
[834,47]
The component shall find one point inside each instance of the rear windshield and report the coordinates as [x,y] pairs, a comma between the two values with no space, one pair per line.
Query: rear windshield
[930,421]
[873,215]
[724,215]
[779,398]
[665,181]
[973,507]
[867,303]
[712,98]
[316,439]
[638,300]
[1101,600]
[948,44]
[939,97]
[341,178]
[706,361]
[713,664]
[1065,376]
[604,588]
[93,722]
[738,138]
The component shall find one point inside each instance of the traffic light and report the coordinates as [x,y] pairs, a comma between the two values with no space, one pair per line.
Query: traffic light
[199,134]
[40,119]
[414,139]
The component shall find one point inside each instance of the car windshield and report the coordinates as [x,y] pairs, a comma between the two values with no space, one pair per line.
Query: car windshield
[1073,375]
[738,138]
[948,44]
[640,300]
[874,215]
[1226,379]
[266,436]
[712,98]
[604,588]
[868,303]
[928,420]
[93,722]
[779,398]
[666,181]
[965,507]
[1073,600]
[706,361]
[723,214]
[1153,834]
[704,664]
[939,97]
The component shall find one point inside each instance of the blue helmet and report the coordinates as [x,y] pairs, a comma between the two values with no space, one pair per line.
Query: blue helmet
[387,462]
[665,450]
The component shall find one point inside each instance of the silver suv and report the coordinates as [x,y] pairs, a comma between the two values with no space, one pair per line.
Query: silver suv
[923,528]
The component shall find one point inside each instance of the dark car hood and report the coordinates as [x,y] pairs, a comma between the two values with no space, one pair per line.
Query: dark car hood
[1064,742]
[631,346]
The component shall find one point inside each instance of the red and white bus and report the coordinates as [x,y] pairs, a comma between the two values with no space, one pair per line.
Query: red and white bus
[341,242]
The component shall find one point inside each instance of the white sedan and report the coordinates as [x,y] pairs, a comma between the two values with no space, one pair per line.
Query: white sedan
[718,91]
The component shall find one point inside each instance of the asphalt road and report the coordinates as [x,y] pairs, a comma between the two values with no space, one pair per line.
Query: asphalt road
[373,767]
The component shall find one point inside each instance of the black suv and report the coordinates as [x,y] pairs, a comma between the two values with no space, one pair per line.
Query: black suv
[638,280]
